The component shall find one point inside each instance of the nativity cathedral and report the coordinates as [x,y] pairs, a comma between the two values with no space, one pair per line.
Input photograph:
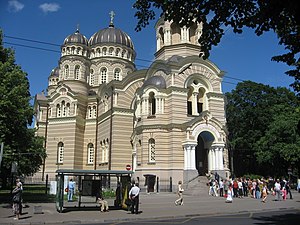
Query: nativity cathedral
[102,113]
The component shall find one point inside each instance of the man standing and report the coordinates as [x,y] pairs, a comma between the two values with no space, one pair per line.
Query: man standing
[71,188]
[134,197]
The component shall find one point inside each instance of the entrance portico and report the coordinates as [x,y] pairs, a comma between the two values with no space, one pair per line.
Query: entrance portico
[204,155]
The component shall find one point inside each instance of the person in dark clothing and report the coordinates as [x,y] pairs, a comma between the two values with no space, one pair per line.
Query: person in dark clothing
[17,200]
[288,189]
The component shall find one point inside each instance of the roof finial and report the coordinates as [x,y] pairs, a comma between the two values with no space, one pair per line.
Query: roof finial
[112,16]
[77,30]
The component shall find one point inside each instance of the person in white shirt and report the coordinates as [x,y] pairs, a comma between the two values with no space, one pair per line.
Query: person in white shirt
[180,190]
[277,189]
[134,194]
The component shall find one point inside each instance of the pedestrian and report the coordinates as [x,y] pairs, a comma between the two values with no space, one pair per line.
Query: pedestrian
[277,190]
[134,194]
[245,187]
[17,200]
[180,191]
[265,192]
[284,193]
[221,186]
[229,194]
[71,189]
[240,188]
[103,204]
[18,180]
[288,189]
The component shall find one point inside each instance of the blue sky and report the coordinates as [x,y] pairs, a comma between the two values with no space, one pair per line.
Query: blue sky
[245,56]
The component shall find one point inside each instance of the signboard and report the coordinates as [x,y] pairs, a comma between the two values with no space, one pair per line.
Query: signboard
[128,167]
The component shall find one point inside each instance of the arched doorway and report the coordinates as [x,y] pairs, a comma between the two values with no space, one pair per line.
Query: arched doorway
[204,141]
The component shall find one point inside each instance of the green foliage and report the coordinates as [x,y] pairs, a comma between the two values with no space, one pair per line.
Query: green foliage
[16,114]
[252,176]
[217,16]
[108,193]
[262,124]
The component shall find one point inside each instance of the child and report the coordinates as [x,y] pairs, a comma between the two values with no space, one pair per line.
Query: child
[264,193]
[284,193]
[103,205]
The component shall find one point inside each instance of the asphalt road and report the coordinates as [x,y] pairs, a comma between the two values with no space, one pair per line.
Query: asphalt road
[287,217]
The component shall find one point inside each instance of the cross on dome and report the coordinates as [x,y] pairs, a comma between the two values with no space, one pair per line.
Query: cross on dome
[112,16]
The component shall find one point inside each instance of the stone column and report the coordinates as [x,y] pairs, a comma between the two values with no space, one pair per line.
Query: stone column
[192,157]
[134,161]
[209,160]
[190,171]
[221,164]
[195,108]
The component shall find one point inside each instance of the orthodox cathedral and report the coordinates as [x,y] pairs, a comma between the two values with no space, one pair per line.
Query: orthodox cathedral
[101,113]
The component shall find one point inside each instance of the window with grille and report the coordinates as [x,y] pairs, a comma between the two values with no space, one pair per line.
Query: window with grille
[60,152]
[92,77]
[58,111]
[117,74]
[103,75]
[77,72]
[151,150]
[66,71]
[90,153]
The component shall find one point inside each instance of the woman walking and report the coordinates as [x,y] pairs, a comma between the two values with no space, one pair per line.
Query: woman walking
[17,200]
[180,190]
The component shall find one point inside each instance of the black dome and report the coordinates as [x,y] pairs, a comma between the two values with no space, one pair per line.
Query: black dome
[157,81]
[76,38]
[111,35]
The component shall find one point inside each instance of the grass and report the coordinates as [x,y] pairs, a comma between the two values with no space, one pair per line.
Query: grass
[31,193]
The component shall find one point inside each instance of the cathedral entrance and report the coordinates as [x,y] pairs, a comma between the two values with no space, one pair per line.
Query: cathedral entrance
[204,142]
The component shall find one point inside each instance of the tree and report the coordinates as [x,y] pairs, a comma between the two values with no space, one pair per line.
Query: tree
[279,16]
[253,110]
[279,148]
[16,114]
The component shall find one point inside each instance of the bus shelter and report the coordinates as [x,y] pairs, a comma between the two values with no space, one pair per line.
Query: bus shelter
[91,184]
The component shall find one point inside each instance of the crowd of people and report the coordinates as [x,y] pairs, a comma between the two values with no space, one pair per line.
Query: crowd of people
[246,187]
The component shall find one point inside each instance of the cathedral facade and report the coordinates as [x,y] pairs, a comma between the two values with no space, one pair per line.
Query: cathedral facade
[101,113]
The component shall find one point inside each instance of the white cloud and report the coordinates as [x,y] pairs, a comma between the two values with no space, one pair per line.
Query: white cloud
[15,6]
[49,7]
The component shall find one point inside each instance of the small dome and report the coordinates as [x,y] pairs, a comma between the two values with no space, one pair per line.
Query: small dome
[76,38]
[157,81]
[111,35]
[54,72]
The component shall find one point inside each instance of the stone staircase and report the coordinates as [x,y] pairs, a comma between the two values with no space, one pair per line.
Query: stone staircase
[197,186]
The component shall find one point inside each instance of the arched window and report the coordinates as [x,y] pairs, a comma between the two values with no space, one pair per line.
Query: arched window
[68,109]
[90,153]
[77,72]
[152,104]
[118,52]
[60,152]
[63,108]
[90,112]
[92,77]
[104,148]
[190,102]
[58,111]
[117,74]
[151,144]
[104,50]
[111,50]
[103,74]
[94,112]
[66,72]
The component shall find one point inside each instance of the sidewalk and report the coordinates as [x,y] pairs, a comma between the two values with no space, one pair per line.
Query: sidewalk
[153,206]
